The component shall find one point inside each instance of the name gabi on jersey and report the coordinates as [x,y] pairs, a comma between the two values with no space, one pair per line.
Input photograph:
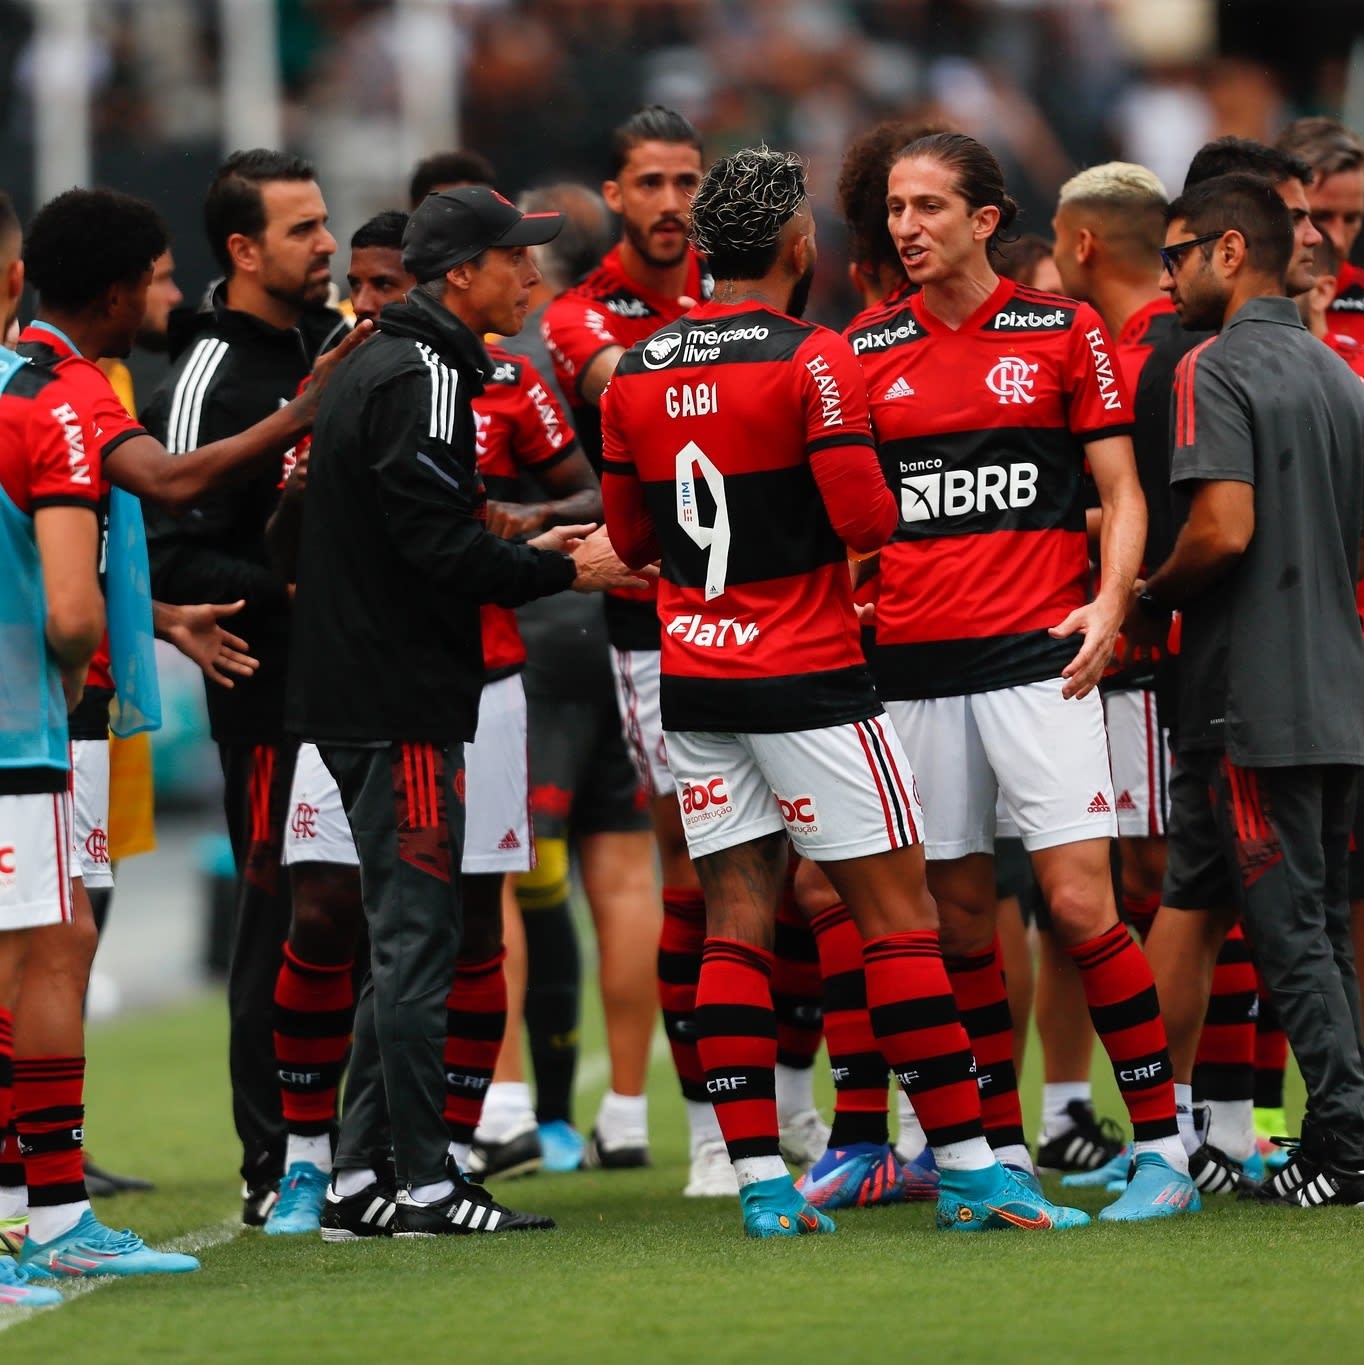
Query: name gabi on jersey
[701,345]
[1103,369]
[692,400]
[887,336]
[927,491]
[693,629]
[75,443]
[828,391]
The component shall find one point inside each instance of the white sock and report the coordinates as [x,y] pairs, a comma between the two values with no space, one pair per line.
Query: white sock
[13,1201]
[505,1105]
[1188,1137]
[1055,1096]
[972,1155]
[1171,1148]
[795,1091]
[623,1116]
[912,1139]
[428,1194]
[347,1183]
[751,1169]
[1016,1154]
[460,1152]
[1232,1127]
[46,1223]
[316,1149]
[702,1123]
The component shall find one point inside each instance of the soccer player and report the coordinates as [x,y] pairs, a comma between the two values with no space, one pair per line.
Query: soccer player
[773,729]
[987,399]
[1314,307]
[393,564]
[1264,572]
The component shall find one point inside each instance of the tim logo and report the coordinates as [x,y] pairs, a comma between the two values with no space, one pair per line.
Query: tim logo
[97,845]
[799,813]
[662,350]
[304,822]
[1012,380]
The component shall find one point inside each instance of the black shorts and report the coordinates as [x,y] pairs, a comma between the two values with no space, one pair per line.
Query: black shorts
[1197,873]
[1357,849]
[581,778]
[1014,877]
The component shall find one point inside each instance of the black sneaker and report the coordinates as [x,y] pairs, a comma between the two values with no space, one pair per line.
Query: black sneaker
[1092,1142]
[1214,1172]
[469,1208]
[257,1201]
[368,1213]
[1330,1184]
[628,1153]
[102,1184]
[517,1153]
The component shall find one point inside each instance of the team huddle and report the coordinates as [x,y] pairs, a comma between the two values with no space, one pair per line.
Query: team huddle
[1030,594]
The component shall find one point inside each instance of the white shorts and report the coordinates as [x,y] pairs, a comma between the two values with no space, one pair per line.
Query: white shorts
[842,792]
[497,812]
[1139,751]
[1045,758]
[35,860]
[90,828]
[637,674]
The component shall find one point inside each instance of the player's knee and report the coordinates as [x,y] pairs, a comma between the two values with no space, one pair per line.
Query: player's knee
[812,889]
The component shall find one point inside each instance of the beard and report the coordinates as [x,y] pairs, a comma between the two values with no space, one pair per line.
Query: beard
[639,239]
[800,295]
[305,293]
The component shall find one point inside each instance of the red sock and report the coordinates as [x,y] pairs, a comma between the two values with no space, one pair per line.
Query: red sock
[920,1035]
[49,1106]
[475,1020]
[679,969]
[978,987]
[859,1069]
[10,1153]
[1224,1068]
[314,1011]
[737,1039]
[797,993]
[1121,994]
[1140,911]
[1271,1051]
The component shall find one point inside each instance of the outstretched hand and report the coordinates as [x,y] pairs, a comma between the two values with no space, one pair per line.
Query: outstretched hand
[198,635]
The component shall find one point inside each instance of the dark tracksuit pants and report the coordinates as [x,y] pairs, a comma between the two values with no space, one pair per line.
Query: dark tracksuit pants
[257,780]
[405,806]
[1287,831]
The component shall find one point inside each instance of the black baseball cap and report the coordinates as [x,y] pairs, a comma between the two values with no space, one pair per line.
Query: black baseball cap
[452,227]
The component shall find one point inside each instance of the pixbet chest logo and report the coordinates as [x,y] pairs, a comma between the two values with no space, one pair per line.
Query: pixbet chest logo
[1012,380]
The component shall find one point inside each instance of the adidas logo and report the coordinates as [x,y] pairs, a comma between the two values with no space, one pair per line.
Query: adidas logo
[1100,806]
[899,389]
[1125,802]
[509,840]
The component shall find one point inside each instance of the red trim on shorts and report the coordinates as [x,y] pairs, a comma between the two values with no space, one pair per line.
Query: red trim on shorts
[262,774]
[876,777]
[1152,740]
[899,781]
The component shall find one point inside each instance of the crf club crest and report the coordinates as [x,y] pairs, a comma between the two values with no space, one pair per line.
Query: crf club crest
[420,808]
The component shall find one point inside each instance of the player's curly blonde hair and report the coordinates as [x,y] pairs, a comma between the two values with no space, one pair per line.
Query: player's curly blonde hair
[741,207]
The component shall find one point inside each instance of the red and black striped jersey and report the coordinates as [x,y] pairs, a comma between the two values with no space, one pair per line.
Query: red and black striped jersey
[1348,349]
[518,424]
[1346,312]
[736,446]
[981,432]
[49,456]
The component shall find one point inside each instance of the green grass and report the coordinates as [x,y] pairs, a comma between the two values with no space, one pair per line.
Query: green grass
[637,1273]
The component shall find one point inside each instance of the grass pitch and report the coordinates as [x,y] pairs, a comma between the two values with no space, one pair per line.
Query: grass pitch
[637,1273]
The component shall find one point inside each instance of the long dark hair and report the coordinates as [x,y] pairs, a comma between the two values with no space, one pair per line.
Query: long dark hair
[979,179]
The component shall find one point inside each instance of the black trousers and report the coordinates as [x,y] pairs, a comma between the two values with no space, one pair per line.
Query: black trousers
[257,779]
[405,806]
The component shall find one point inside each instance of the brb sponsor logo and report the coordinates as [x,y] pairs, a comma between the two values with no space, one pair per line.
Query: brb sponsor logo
[698,346]
[883,338]
[704,801]
[800,814]
[1012,380]
[928,492]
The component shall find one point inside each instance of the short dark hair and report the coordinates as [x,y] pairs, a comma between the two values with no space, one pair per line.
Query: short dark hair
[862,192]
[980,181]
[1018,260]
[740,209]
[1250,205]
[1229,155]
[1327,146]
[84,241]
[586,236]
[234,203]
[463,167]
[384,229]
[653,123]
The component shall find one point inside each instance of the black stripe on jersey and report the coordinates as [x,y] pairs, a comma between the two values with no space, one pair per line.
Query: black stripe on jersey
[30,380]
[954,668]
[1033,310]
[839,438]
[768,706]
[757,338]
[65,500]
[631,624]
[110,446]
[784,500]
[617,466]
[968,482]
[897,328]
[888,781]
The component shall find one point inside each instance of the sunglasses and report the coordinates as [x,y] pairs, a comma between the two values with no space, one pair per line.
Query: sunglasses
[1169,255]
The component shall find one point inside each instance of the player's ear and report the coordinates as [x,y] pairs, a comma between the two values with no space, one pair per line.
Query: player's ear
[1084,245]
[610,191]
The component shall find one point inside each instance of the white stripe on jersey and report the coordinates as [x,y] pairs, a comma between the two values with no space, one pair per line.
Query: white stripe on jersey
[444,382]
[187,402]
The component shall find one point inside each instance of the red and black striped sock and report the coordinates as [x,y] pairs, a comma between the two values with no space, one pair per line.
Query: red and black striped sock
[314,1012]
[1121,994]
[1140,911]
[49,1107]
[983,1003]
[475,1020]
[1271,1051]
[737,1039]
[1224,1068]
[10,1153]
[915,1021]
[797,994]
[855,1060]
[679,969]
[11,1159]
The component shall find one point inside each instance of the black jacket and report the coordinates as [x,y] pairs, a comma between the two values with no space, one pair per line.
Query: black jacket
[234,370]
[394,559]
